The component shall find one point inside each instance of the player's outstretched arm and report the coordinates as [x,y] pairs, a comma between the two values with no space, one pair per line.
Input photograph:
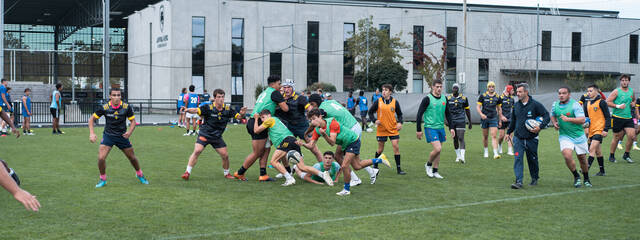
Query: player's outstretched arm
[191,110]
[29,201]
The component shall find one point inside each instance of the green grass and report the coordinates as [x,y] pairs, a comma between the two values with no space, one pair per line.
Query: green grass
[62,172]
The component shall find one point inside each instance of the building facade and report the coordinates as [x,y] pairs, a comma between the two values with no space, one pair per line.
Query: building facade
[235,45]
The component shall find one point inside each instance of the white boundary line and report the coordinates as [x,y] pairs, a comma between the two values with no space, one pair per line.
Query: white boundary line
[399,212]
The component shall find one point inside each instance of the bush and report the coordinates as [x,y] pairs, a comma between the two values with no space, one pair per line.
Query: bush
[259,89]
[575,81]
[382,73]
[606,83]
[326,87]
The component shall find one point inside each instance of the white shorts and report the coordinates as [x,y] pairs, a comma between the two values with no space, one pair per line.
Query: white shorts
[357,129]
[193,116]
[301,174]
[579,148]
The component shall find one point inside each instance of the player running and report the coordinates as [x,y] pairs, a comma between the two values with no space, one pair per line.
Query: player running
[597,111]
[116,113]
[388,125]
[507,101]
[432,112]
[567,116]
[216,116]
[620,100]
[489,109]
[458,106]
[346,140]
[283,138]
[191,100]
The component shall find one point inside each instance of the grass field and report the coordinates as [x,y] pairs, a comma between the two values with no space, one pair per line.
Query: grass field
[474,200]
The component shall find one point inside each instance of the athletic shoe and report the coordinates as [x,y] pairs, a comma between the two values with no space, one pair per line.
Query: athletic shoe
[510,153]
[612,159]
[600,173]
[265,178]
[143,180]
[577,183]
[374,176]
[627,158]
[486,154]
[400,172]
[101,183]
[356,182]
[186,175]
[534,182]
[462,160]
[30,133]
[635,147]
[289,182]
[496,156]
[429,170]
[587,183]
[327,178]
[187,134]
[239,177]
[60,132]
[620,146]
[437,175]
[279,175]
[344,192]
[384,159]
[516,185]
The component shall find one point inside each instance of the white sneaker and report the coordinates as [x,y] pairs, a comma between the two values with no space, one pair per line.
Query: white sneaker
[510,153]
[356,182]
[327,178]
[457,159]
[374,175]
[437,175]
[486,154]
[280,175]
[186,134]
[289,182]
[369,130]
[429,170]
[344,192]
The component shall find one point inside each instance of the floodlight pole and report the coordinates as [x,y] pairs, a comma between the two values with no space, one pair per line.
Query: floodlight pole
[537,45]
[73,72]
[293,56]
[105,49]
[263,77]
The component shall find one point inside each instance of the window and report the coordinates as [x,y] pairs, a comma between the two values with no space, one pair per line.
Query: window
[312,52]
[275,64]
[633,49]
[546,46]
[575,46]
[386,27]
[452,51]
[237,59]
[197,52]
[347,74]
[418,48]
[483,75]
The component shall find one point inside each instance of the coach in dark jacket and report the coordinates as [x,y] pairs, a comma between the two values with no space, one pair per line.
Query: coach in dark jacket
[525,141]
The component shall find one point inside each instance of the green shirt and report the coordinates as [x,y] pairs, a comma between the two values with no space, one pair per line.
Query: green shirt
[345,136]
[335,110]
[625,98]
[570,109]
[335,167]
[277,130]
[264,102]
[433,117]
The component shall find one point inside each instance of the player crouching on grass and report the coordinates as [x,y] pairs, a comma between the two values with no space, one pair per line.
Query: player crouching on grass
[328,164]
[215,116]
[285,141]
[347,141]
[115,132]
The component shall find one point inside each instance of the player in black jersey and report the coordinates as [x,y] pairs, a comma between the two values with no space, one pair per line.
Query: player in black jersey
[215,116]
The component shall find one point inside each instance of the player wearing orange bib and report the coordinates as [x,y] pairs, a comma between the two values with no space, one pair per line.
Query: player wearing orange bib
[388,125]
[597,111]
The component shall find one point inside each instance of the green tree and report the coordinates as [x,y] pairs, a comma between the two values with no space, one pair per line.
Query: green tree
[385,72]
[575,81]
[607,83]
[383,50]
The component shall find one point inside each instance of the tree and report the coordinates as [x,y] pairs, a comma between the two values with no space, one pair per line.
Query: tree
[431,66]
[383,51]
[385,72]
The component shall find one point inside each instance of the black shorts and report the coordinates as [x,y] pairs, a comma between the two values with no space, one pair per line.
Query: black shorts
[352,111]
[119,141]
[505,125]
[217,142]
[620,124]
[288,144]
[363,114]
[263,135]
[457,125]
[596,137]
[384,138]
[54,112]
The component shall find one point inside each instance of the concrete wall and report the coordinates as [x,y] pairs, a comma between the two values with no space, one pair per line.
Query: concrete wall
[486,31]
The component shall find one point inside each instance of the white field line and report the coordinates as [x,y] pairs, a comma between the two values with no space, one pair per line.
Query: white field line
[399,212]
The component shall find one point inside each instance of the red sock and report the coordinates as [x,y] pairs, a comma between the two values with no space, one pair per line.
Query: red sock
[103,177]
[139,173]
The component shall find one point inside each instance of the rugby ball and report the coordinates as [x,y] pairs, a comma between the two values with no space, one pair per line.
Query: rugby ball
[586,123]
[294,157]
[532,124]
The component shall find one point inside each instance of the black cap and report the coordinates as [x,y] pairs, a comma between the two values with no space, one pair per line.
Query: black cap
[315,98]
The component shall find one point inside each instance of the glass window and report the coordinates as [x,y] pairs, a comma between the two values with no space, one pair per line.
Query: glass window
[483,75]
[313,29]
[452,52]
[347,61]
[633,49]
[387,28]
[575,46]
[197,48]
[418,46]
[546,45]
[275,64]
[197,26]
[237,59]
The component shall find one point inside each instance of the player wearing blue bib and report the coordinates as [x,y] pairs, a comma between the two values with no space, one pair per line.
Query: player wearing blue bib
[26,112]
[56,106]
[180,106]
[191,100]
[351,103]
[364,108]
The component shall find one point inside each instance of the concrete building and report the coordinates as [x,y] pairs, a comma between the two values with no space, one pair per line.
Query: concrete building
[235,45]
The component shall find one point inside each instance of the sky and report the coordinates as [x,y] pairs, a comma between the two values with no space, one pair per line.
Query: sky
[627,8]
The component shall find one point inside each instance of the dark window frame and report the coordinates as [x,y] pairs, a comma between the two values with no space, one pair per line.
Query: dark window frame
[237,58]
[633,48]
[546,39]
[313,56]
[576,48]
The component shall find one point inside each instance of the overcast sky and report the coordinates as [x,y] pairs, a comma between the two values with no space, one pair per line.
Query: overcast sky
[627,8]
